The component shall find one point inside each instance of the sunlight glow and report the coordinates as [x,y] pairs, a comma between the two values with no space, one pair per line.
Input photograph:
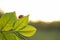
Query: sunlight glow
[45,10]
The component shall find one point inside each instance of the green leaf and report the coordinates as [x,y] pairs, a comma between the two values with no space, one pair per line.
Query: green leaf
[8,36]
[28,31]
[12,28]
[7,20]
[19,35]
[1,36]
[20,23]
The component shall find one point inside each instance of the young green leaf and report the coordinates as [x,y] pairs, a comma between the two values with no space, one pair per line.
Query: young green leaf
[11,28]
[20,23]
[28,31]
[7,20]
[8,36]
[1,36]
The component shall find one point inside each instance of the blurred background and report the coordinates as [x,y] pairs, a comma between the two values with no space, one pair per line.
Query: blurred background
[44,16]
[46,30]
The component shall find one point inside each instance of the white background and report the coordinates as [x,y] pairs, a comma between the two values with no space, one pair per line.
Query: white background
[46,10]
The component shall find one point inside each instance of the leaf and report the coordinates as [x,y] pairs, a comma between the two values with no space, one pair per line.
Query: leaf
[20,23]
[1,36]
[8,36]
[28,31]
[7,21]
[11,28]
[19,35]
[20,26]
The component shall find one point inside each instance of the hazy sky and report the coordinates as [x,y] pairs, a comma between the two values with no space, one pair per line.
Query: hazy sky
[46,10]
